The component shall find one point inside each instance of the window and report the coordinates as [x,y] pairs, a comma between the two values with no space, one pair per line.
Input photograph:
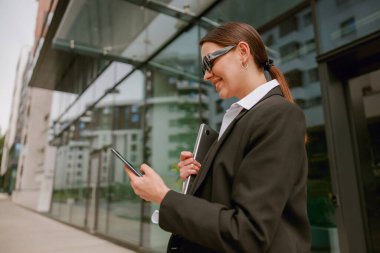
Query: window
[173,122]
[135,118]
[269,41]
[173,108]
[294,78]
[313,75]
[288,26]
[289,51]
[347,27]
[300,102]
[134,109]
[307,19]
[310,46]
[219,106]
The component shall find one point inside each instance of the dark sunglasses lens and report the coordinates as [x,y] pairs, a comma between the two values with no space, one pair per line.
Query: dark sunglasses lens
[206,65]
[208,59]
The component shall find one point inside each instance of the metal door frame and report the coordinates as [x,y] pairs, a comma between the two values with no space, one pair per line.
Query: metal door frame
[335,69]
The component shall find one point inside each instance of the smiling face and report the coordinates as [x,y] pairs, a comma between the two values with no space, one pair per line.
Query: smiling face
[226,71]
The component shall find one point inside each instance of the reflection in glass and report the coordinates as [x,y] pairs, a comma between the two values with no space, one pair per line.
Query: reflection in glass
[101,27]
[366,112]
[176,103]
[104,82]
[70,182]
[343,21]
[254,12]
[91,190]
[293,49]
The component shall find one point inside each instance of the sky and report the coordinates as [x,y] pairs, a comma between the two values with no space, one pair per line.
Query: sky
[17,25]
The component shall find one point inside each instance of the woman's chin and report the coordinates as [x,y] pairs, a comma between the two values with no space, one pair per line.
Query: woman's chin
[222,95]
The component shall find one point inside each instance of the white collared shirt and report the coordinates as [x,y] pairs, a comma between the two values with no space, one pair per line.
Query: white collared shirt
[247,103]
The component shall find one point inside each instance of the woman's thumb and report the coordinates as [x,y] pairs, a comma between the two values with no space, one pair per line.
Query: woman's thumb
[146,169]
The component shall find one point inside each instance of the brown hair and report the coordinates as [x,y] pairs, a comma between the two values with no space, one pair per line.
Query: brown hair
[232,33]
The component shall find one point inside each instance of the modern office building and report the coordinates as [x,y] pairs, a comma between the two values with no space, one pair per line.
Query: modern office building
[126,75]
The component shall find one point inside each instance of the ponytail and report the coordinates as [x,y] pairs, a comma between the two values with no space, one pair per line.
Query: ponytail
[276,73]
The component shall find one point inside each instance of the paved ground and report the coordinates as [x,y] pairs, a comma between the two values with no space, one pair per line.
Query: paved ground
[24,231]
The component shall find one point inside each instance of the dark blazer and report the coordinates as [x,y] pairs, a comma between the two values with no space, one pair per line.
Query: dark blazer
[250,194]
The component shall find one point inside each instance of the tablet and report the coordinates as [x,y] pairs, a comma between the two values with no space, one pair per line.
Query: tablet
[205,138]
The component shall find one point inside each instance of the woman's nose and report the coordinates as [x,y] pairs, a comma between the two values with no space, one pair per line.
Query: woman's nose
[207,75]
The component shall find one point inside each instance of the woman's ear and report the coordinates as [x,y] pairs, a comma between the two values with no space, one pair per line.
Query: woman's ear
[244,51]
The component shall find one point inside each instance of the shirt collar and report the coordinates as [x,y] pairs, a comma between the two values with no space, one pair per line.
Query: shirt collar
[254,97]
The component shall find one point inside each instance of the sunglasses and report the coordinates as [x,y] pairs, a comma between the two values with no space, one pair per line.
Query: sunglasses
[209,59]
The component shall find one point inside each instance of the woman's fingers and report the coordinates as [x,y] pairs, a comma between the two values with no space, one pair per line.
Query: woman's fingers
[185,155]
[188,161]
[186,171]
[150,187]
[187,165]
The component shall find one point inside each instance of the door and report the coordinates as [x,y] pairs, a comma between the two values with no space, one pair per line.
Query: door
[364,112]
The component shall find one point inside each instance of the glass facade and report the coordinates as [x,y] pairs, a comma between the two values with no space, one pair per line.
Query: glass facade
[365,100]
[150,112]
[343,21]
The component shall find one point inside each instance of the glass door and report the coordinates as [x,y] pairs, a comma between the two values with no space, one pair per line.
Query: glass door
[364,105]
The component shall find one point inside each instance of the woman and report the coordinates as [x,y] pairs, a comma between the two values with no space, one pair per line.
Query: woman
[249,194]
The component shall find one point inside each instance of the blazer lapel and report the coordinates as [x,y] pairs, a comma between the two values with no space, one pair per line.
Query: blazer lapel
[212,152]
[207,162]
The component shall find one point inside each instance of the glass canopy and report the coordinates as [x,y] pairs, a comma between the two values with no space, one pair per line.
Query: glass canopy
[124,30]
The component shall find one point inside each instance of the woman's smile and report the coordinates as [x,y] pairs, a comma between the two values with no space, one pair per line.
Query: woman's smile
[217,83]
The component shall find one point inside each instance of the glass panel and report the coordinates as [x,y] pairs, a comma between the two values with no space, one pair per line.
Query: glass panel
[191,7]
[291,45]
[254,12]
[93,179]
[124,207]
[76,176]
[182,57]
[173,114]
[343,21]
[368,130]
[101,27]
[70,179]
[59,191]
[104,193]
[105,81]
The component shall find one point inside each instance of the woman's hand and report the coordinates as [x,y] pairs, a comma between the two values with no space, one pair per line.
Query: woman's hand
[187,165]
[149,187]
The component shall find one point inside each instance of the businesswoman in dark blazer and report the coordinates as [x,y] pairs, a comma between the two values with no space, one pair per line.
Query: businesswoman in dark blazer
[249,194]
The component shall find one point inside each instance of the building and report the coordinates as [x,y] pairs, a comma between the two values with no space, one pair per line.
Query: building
[28,161]
[126,74]
[12,143]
